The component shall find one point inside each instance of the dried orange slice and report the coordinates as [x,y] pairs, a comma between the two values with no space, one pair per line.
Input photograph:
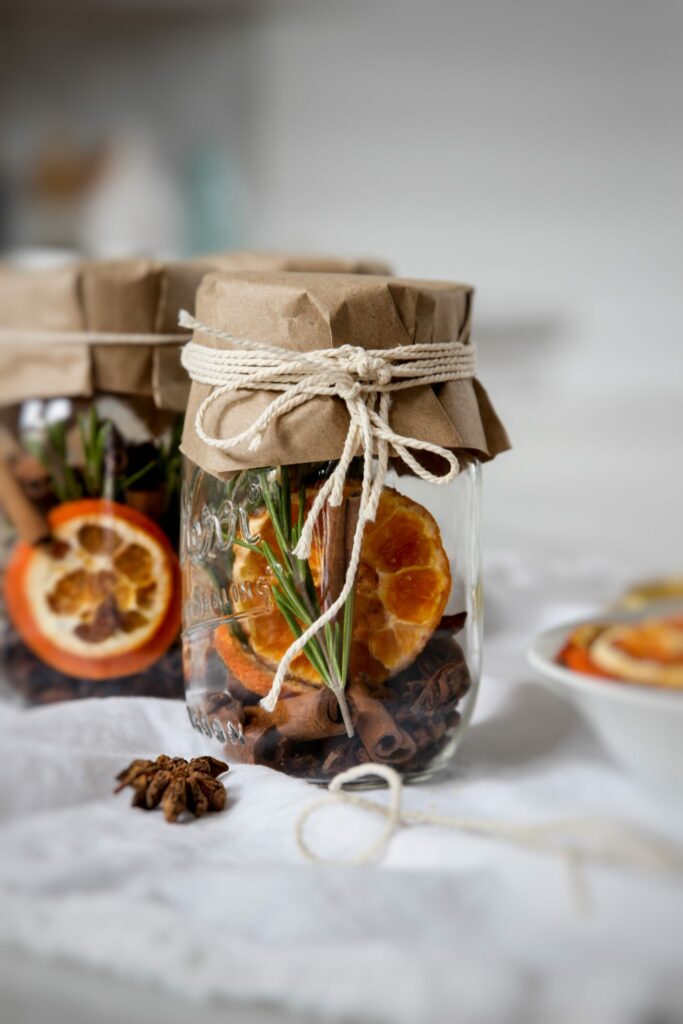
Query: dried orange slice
[649,652]
[668,588]
[268,632]
[102,599]
[576,652]
[402,588]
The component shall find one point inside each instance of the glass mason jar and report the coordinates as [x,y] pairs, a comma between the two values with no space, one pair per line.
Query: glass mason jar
[393,680]
[91,602]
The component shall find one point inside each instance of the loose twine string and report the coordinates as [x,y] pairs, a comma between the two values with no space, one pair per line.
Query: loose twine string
[9,336]
[579,841]
[365,380]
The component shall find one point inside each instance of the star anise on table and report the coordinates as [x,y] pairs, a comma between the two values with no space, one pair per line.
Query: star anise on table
[178,785]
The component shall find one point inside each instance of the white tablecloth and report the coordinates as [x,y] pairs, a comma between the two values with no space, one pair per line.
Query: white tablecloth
[447,926]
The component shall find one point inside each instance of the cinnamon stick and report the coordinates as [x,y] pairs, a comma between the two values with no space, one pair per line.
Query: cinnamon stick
[30,524]
[334,552]
[339,528]
[306,717]
[9,446]
[380,734]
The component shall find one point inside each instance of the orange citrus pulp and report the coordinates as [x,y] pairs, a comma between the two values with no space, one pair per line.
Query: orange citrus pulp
[401,590]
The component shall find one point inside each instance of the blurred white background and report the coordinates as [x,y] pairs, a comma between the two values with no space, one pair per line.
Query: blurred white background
[532,148]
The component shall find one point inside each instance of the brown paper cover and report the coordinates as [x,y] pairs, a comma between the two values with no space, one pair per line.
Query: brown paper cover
[266,262]
[302,312]
[122,296]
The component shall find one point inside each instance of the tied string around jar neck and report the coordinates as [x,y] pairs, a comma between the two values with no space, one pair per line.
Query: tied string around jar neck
[364,379]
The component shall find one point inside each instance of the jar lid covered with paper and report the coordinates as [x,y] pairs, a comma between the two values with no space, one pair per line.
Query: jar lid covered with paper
[330,519]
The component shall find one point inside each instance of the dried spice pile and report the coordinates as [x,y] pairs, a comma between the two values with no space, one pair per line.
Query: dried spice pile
[37,683]
[406,723]
[178,786]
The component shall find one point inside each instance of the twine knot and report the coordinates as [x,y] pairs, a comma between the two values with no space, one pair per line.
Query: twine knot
[361,364]
[364,379]
[347,388]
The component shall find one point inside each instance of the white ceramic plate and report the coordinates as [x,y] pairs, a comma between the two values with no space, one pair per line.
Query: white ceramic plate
[641,726]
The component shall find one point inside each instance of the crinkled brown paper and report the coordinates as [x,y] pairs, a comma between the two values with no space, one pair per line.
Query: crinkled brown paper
[122,296]
[304,311]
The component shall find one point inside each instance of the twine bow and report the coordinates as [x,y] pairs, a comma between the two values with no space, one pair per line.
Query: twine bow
[579,841]
[364,380]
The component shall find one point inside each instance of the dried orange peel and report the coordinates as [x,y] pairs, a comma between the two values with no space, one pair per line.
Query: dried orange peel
[402,587]
[648,652]
[102,599]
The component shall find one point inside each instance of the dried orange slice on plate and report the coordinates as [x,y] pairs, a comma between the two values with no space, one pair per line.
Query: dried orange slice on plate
[576,652]
[402,588]
[102,599]
[649,652]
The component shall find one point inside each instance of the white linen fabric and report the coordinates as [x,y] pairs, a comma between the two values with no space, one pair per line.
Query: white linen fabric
[446,926]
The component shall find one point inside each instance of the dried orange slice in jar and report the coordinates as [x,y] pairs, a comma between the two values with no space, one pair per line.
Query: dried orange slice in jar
[267,630]
[402,587]
[102,599]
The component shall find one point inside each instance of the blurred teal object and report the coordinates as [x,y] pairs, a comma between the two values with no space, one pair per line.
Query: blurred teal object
[215,202]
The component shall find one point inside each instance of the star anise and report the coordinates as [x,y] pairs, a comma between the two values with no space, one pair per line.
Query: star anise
[178,785]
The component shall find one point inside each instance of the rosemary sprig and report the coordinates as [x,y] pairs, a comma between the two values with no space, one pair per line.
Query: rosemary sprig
[311,650]
[95,439]
[51,452]
[167,464]
[346,634]
[98,442]
[127,482]
[171,463]
[294,591]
